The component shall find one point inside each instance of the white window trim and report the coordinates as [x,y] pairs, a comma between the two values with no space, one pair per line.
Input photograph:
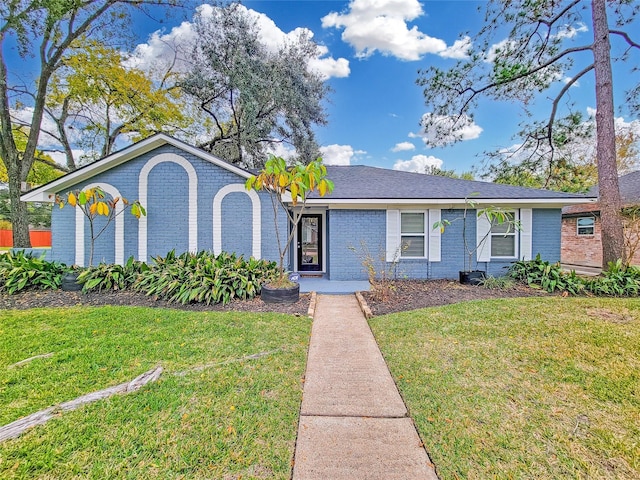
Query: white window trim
[514,233]
[593,227]
[424,234]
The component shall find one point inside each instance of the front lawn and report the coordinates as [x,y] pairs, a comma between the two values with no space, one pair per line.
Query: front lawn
[226,405]
[522,388]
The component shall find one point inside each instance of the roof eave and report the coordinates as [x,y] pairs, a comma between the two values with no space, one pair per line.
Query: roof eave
[547,202]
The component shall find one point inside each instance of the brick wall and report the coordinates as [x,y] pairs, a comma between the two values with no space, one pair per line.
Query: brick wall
[168,211]
[583,250]
[350,227]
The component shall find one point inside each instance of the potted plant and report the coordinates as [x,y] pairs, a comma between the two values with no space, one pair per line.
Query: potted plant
[281,182]
[495,216]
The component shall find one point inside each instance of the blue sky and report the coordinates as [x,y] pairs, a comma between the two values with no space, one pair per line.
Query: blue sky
[374,49]
[371,53]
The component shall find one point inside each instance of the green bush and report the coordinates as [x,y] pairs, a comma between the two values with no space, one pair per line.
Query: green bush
[111,276]
[205,277]
[616,281]
[548,276]
[19,271]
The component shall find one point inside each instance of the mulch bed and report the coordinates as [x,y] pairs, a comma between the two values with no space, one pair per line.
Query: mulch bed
[58,298]
[405,295]
[413,294]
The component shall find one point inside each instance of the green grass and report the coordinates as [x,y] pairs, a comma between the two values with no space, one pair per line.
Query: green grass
[522,388]
[233,420]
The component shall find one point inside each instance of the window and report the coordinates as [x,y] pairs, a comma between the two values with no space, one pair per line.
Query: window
[586,226]
[503,239]
[412,233]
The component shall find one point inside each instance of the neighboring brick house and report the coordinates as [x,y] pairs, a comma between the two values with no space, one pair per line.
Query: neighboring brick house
[195,201]
[581,227]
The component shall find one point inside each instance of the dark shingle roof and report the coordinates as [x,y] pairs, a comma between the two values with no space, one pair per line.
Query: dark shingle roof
[629,188]
[364,182]
[629,193]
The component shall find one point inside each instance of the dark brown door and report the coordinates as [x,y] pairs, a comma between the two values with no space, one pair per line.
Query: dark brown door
[310,243]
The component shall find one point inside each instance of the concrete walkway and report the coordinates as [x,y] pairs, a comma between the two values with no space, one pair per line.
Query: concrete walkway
[333,287]
[353,422]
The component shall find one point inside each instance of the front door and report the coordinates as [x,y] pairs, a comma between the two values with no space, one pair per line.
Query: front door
[310,243]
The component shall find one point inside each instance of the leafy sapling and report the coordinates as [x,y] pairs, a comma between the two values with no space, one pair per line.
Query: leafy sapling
[95,202]
[496,216]
[299,181]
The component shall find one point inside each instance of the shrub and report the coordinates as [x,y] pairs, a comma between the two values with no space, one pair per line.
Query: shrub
[617,281]
[380,273]
[111,276]
[548,276]
[205,277]
[19,271]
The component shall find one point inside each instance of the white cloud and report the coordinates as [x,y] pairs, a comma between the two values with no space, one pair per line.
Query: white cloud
[566,80]
[162,47]
[339,154]
[418,163]
[282,150]
[329,67]
[441,130]
[458,50]
[164,50]
[498,49]
[381,25]
[620,124]
[506,45]
[403,147]
[569,31]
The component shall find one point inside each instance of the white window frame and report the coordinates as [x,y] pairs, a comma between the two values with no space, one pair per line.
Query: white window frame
[513,233]
[424,234]
[592,226]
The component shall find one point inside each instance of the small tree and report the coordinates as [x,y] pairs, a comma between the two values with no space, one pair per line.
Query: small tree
[494,215]
[93,203]
[299,181]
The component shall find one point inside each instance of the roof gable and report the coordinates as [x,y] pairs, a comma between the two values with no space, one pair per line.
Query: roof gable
[46,192]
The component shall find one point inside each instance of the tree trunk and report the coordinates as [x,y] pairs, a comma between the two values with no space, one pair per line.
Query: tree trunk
[19,219]
[11,159]
[609,191]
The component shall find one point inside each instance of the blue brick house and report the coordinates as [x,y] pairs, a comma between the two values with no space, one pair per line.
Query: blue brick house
[195,201]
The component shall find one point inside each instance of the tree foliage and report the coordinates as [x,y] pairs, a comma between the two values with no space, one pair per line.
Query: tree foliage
[44,30]
[258,96]
[433,170]
[98,97]
[94,203]
[528,47]
[299,182]
[44,168]
[574,170]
